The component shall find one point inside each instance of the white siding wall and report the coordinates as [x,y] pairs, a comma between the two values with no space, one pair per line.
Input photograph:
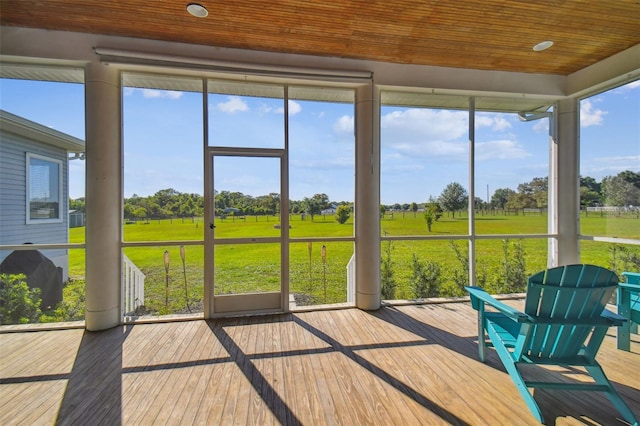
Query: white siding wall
[13,225]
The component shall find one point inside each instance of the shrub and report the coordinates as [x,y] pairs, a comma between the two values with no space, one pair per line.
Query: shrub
[513,278]
[72,306]
[342,214]
[460,275]
[388,282]
[426,278]
[18,303]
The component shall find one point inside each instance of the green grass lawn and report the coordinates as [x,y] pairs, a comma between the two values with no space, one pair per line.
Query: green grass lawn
[256,267]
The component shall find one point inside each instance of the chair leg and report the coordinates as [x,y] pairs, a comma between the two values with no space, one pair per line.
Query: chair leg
[482,344]
[598,375]
[514,373]
[624,331]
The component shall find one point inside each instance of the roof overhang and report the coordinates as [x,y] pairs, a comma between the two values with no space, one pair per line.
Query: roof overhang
[31,130]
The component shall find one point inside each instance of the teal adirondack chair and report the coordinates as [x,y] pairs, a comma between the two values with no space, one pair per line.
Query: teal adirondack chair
[563,323]
[629,307]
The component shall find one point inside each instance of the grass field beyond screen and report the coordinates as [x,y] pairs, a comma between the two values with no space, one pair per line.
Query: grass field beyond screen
[255,267]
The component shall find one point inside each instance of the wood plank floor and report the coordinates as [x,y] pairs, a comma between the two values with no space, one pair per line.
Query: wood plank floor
[404,365]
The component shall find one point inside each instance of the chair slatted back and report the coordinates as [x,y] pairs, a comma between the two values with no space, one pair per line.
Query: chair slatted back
[565,301]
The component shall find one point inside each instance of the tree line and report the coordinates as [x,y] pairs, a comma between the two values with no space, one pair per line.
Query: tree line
[622,189]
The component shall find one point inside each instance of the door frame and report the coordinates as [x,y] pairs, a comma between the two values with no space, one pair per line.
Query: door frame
[247,303]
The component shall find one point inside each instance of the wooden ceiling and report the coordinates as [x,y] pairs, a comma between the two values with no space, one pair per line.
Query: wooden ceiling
[474,34]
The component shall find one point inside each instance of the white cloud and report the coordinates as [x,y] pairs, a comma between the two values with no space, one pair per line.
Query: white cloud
[500,150]
[233,105]
[294,108]
[600,167]
[344,125]
[161,94]
[425,124]
[431,149]
[401,168]
[541,126]
[494,121]
[633,84]
[324,164]
[426,134]
[589,115]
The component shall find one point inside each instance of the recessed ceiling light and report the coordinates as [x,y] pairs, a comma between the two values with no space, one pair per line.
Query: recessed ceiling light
[197,10]
[543,45]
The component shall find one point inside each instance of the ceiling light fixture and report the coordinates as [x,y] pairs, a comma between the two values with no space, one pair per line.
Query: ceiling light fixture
[197,10]
[543,45]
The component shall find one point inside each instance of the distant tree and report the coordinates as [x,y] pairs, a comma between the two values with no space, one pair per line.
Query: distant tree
[315,204]
[432,213]
[479,203]
[77,204]
[140,213]
[453,198]
[530,195]
[164,197]
[631,177]
[413,207]
[342,214]
[589,198]
[590,192]
[540,188]
[621,190]
[405,207]
[383,210]
[591,184]
[501,196]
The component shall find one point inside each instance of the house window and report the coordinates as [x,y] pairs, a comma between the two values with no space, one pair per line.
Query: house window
[44,189]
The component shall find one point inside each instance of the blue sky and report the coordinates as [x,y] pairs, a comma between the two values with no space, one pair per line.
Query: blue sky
[422,149]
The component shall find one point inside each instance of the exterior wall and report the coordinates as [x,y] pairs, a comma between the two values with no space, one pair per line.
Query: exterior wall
[13,220]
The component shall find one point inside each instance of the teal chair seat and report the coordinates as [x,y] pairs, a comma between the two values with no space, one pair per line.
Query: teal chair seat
[564,323]
[629,307]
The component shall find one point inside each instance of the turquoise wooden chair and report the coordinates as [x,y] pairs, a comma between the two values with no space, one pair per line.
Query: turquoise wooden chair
[628,307]
[563,323]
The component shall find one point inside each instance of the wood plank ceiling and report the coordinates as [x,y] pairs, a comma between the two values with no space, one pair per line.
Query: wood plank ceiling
[474,34]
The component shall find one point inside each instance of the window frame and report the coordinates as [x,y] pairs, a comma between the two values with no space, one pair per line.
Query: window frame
[29,219]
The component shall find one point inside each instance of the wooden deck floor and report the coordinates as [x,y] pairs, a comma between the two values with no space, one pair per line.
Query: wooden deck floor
[405,365]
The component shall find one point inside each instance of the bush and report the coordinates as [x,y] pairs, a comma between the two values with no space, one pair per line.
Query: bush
[460,275]
[72,306]
[18,303]
[387,281]
[426,278]
[513,278]
[342,214]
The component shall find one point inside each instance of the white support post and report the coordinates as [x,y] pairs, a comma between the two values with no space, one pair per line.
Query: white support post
[367,197]
[565,170]
[103,197]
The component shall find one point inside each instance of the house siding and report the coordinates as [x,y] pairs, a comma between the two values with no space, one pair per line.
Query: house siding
[13,221]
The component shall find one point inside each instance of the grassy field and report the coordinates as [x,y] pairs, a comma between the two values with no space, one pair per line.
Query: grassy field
[256,267]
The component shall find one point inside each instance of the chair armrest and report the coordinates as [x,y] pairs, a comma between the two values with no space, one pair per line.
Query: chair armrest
[616,320]
[479,295]
[629,287]
[632,277]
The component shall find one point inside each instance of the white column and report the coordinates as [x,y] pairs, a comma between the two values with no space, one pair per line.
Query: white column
[367,198]
[567,171]
[103,197]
